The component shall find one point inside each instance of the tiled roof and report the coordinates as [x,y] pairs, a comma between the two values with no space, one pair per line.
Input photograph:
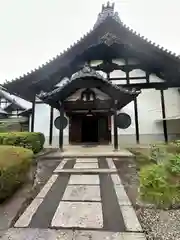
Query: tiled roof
[85,72]
[14,99]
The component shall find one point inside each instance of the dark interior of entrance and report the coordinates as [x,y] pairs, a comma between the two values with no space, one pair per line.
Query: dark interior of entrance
[89,129]
[92,129]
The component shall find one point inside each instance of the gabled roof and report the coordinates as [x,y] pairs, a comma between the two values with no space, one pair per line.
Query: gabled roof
[15,102]
[88,78]
[108,31]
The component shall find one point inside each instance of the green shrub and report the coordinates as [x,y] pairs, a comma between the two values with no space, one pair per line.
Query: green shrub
[33,141]
[14,165]
[158,153]
[42,139]
[173,164]
[174,147]
[156,187]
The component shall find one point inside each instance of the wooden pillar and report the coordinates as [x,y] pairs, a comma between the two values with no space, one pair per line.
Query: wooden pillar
[115,130]
[61,127]
[164,116]
[136,120]
[51,125]
[33,114]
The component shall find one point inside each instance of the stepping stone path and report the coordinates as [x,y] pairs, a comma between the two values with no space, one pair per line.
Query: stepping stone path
[83,199]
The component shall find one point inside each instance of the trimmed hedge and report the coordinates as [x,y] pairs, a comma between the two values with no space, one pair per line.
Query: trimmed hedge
[14,165]
[33,141]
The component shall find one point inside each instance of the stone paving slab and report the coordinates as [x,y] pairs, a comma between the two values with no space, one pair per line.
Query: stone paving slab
[86,165]
[37,234]
[47,186]
[82,193]
[90,199]
[84,179]
[116,179]
[26,217]
[61,165]
[99,235]
[78,214]
[122,196]
[90,160]
[130,219]
[51,234]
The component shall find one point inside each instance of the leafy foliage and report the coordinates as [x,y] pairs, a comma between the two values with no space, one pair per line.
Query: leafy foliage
[158,153]
[156,188]
[33,141]
[173,164]
[14,165]
[160,182]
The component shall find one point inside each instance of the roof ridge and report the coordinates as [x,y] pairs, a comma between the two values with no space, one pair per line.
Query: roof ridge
[153,44]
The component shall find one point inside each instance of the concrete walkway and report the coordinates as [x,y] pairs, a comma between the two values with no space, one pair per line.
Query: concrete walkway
[80,202]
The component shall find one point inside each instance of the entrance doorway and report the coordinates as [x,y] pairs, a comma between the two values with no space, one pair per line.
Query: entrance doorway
[95,129]
[89,129]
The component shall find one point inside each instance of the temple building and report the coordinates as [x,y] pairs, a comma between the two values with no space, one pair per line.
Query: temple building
[113,86]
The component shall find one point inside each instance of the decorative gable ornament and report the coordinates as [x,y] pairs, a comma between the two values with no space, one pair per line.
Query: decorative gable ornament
[86,71]
[109,39]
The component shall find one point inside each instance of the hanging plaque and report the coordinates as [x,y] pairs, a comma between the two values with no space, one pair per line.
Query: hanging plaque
[123,120]
[58,120]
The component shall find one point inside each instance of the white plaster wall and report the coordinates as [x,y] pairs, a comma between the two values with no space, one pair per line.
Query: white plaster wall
[126,136]
[117,74]
[149,110]
[137,73]
[55,139]
[129,109]
[172,102]
[172,108]
[42,120]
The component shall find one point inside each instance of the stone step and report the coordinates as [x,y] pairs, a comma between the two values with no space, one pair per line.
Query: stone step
[85,170]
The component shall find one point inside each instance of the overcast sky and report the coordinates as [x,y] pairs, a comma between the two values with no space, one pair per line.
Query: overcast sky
[33,31]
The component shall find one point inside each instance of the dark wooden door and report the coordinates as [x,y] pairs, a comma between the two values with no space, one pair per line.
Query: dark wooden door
[104,135]
[75,129]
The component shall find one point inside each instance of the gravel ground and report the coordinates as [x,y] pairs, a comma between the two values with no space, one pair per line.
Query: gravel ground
[157,224]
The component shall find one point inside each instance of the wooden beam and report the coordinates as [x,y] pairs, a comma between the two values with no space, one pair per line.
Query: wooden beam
[51,125]
[33,114]
[61,127]
[136,120]
[115,130]
[164,116]
[155,85]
